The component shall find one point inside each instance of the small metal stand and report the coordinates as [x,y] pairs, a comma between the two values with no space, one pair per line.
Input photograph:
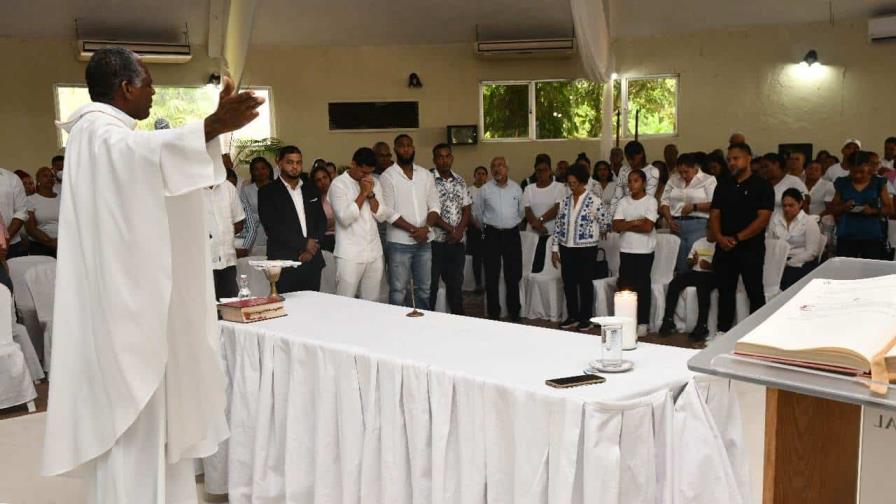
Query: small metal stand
[415,312]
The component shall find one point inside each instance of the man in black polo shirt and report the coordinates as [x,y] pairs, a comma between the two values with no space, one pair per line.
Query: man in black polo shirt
[741,208]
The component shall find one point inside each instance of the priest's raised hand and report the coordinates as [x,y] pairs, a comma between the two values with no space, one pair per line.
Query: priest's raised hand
[235,110]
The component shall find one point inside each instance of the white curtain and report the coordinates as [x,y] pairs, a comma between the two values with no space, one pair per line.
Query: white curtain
[592,28]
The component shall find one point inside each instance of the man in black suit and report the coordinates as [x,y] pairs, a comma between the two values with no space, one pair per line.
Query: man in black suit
[294,222]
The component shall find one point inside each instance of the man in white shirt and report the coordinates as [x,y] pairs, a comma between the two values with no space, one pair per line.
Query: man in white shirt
[224,219]
[410,191]
[841,169]
[774,171]
[889,153]
[499,207]
[14,210]
[354,196]
[57,164]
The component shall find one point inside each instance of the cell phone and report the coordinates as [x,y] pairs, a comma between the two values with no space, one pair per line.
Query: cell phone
[858,209]
[575,381]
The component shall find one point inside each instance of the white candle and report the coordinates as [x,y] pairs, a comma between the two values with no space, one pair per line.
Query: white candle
[625,304]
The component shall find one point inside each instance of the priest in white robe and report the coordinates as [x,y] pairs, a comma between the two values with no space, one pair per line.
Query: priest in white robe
[137,391]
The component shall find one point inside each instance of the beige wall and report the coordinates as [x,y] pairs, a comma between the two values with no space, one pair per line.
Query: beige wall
[743,80]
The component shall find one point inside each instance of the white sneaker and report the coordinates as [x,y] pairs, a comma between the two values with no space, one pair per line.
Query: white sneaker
[642,330]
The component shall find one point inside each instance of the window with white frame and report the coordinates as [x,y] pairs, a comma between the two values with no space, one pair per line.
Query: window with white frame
[178,104]
[571,109]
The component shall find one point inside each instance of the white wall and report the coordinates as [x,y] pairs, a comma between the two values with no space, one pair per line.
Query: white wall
[738,80]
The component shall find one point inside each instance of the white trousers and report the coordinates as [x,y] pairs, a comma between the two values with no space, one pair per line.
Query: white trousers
[354,279]
[134,469]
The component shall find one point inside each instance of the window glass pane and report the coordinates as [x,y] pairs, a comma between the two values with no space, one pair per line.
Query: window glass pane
[656,99]
[179,105]
[505,111]
[568,109]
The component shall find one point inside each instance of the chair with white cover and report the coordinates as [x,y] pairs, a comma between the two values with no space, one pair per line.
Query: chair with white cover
[258,282]
[16,386]
[22,295]
[775,261]
[528,243]
[41,282]
[605,287]
[661,274]
[328,274]
[544,291]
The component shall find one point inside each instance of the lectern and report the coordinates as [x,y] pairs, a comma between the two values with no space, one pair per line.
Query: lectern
[812,419]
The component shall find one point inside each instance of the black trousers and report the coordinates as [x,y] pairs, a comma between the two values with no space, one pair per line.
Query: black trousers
[794,274]
[475,246]
[39,249]
[17,249]
[634,275]
[503,248]
[704,281]
[448,261]
[577,271]
[303,278]
[225,282]
[540,251]
[741,262]
[328,242]
[863,249]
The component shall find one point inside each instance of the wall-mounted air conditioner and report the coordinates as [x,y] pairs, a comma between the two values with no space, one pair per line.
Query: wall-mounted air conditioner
[149,52]
[554,47]
[882,28]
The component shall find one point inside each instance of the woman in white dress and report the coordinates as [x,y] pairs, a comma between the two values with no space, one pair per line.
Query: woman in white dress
[43,215]
[798,229]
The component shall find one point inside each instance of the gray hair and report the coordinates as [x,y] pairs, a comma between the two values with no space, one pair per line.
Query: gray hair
[108,69]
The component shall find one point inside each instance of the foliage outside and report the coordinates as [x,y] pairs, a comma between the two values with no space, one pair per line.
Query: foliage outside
[572,109]
[179,105]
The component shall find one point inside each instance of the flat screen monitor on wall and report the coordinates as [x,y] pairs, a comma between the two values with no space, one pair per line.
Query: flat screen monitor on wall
[383,115]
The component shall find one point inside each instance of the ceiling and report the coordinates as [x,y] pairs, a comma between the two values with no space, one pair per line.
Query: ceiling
[371,22]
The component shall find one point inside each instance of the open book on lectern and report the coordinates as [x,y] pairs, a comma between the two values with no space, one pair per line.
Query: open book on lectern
[843,326]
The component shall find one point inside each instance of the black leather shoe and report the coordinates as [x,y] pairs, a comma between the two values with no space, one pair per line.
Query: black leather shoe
[668,327]
[569,323]
[699,333]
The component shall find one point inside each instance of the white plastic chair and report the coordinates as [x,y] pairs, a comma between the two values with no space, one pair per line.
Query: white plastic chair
[328,274]
[258,282]
[661,274]
[528,242]
[775,260]
[41,282]
[605,287]
[16,386]
[544,291]
[22,295]
[469,278]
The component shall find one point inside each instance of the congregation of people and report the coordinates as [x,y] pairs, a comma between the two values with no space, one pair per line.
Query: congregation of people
[412,227]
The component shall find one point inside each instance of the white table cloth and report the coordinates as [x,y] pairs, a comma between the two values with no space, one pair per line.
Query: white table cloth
[350,401]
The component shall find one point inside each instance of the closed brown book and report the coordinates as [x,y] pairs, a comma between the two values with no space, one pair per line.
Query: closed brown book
[252,309]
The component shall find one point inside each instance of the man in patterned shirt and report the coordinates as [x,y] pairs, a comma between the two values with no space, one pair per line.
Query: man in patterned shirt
[448,251]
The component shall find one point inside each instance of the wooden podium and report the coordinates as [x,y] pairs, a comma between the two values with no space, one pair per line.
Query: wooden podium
[813,420]
[811,449]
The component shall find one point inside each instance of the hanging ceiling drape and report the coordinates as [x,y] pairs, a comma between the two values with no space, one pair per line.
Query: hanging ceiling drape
[592,28]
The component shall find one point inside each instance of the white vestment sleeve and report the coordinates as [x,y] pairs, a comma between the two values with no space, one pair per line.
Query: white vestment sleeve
[185,159]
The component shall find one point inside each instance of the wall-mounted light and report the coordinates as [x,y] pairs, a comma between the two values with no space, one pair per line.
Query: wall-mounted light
[811,58]
[214,79]
[414,81]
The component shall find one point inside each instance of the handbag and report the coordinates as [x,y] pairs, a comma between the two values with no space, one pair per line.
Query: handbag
[601,266]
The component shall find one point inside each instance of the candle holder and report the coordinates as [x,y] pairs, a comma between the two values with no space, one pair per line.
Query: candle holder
[272,270]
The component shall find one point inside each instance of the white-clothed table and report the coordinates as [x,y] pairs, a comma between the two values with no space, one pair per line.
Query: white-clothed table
[350,401]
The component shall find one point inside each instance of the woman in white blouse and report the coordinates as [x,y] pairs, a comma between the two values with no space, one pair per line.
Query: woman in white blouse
[801,231]
[540,200]
[43,215]
[604,186]
[685,205]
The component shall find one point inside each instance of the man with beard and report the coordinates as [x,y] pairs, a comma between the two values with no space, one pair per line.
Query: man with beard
[294,222]
[410,191]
